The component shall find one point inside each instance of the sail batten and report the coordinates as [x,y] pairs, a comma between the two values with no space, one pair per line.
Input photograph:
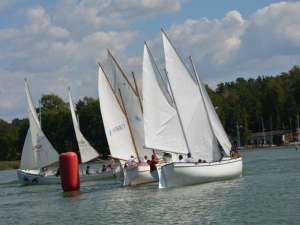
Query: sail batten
[87,152]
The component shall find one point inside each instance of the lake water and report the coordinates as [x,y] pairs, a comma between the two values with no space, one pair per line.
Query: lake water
[268,193]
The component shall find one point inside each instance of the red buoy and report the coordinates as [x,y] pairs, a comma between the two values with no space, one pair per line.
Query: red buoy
[69,172]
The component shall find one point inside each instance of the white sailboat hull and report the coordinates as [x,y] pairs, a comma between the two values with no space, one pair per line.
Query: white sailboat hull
[33,177]
[139,175]
[181,174]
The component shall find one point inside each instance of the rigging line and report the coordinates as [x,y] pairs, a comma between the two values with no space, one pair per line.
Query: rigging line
[138,92]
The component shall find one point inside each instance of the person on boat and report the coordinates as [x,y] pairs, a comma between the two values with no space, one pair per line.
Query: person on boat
[180,158]
[234,153]
[87,170]
[153,162]
[167,157]
[131,161]
[145,159]
[109,168]
[189,158]
[44,171]
[103,168]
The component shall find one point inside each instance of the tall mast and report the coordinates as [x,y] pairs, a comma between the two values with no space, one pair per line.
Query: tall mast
[77,117]
[271,130]
[138,92]
[122,72]
[238,134]
[263,130]
[40,112]
[180,121]
[119,103]
[129,126]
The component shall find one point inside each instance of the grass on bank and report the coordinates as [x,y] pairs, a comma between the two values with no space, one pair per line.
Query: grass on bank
[9,165]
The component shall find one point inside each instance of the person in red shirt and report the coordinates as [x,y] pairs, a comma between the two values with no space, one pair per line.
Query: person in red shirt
[152,163]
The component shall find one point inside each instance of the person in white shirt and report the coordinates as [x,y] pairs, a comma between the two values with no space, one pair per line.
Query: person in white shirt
[145,159]
[131,161]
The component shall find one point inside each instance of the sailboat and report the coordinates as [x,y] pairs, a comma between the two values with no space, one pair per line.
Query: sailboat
[86,151]
[201,129]
[119,132]
[37,151]
[130,96]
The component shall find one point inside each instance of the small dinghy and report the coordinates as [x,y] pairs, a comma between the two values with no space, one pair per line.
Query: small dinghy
[88,153]
[37,153]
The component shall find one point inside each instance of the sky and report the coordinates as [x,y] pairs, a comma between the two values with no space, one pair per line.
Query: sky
[57,43]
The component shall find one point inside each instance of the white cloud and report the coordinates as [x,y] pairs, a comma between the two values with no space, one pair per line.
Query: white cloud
[40,23]
[94,14]
[268,42]
[5,4]
[61,48]
[52,58]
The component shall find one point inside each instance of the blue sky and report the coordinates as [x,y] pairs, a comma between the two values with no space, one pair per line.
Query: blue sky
[56,44]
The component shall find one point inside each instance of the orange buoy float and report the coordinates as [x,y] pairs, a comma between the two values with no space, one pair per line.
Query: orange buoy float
[69,171]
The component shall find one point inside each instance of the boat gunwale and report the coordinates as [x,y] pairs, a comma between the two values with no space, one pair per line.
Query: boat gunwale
[198,164]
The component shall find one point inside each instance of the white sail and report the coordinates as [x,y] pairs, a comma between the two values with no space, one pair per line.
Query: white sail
[132,105]
[44,152]
[112,72]
[28,160]
[217,126]
[115,122]
[161,123]
[87,152]
[201,140]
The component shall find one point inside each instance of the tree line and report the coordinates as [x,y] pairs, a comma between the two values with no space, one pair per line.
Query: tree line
[272,102]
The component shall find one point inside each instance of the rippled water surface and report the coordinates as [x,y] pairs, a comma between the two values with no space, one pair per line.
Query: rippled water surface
[268,193]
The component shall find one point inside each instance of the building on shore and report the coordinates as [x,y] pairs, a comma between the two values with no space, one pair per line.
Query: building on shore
[274,137]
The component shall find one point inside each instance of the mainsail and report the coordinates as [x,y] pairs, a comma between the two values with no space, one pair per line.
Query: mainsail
[123,86]
[42,152]
[216,124]
[191,106]
[115,123]
[87,152]
[161,124]
[28,160]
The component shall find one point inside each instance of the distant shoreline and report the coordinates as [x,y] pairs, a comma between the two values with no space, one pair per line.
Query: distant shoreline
[268,148]
[9,165]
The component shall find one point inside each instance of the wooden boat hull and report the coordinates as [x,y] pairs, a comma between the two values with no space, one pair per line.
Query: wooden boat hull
[181,174]
[139,175]
[33,177]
